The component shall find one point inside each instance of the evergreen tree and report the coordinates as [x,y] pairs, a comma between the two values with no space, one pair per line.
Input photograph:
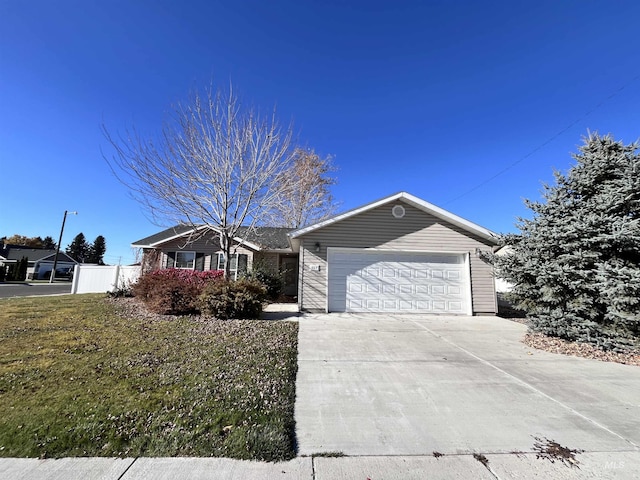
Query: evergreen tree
[97,250]
[21,271]
[576,265]
[48,243]
[78,249]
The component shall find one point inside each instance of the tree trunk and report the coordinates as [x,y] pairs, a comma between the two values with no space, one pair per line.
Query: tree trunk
[225,244]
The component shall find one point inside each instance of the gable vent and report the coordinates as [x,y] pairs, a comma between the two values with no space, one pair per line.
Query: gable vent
[398,211]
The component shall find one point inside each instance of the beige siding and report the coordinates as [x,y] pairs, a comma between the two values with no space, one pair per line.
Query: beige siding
[208,246]
[378,228]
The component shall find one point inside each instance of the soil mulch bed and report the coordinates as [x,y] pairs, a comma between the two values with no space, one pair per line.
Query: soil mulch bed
[557,345]
[131,307]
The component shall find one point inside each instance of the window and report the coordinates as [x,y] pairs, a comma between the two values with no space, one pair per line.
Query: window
[238,263]
[186,260]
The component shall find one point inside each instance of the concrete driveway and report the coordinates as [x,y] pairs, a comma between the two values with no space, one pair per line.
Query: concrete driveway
[379,385]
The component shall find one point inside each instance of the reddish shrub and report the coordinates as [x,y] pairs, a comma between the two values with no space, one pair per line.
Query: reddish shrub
[173,291]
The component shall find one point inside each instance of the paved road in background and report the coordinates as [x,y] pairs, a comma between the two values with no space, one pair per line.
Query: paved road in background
[8,290]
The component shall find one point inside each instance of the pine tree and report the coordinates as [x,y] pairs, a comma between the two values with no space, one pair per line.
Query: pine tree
[576,265]
[21,270]
[49,243]
[78,249]
[97,250]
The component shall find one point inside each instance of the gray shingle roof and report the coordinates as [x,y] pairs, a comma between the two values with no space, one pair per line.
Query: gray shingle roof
[164,235]
[269,238]
[16,252]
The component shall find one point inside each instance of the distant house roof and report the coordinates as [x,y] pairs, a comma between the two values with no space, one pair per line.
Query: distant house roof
[62,257]
[13,253]
[258,238]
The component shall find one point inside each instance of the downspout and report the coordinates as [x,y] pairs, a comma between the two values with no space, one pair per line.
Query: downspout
[300,275]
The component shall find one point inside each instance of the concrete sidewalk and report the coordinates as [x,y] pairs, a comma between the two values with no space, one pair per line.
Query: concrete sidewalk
[605,466]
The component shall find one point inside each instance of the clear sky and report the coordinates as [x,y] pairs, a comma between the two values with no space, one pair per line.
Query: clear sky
[430,97]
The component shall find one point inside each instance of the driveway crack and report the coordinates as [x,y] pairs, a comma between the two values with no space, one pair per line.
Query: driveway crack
[526,385]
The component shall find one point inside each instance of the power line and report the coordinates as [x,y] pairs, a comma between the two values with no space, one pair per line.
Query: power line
[545,143]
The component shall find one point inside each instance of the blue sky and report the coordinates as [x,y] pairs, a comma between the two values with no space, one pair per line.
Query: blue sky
[430,97]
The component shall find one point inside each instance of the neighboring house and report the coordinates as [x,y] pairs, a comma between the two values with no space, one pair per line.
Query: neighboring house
[398,254]
[39,260]
[502,286]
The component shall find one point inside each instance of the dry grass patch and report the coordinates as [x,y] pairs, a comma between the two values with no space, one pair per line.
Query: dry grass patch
[81,376]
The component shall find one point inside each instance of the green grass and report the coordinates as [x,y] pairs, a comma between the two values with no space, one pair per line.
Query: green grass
[78,378]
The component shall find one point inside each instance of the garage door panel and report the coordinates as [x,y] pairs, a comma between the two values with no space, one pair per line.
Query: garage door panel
[455,306]
[373,288]
[396,281]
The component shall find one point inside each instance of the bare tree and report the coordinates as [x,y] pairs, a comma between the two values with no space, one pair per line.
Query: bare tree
[214,166]
[22,240]
[305,195]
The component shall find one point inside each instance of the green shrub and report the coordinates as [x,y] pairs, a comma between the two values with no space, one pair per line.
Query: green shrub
[239,299]
[271,280]
[173,291]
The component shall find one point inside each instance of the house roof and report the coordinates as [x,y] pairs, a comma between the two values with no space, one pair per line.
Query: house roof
[62,257]
[258,238]
[411,200]
[164,236]
[270,238]
[16,252]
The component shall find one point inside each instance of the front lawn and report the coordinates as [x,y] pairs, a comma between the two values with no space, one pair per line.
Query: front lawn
[79,376]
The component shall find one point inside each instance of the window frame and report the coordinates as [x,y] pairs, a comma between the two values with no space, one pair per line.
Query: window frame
[234,259]
[192,261]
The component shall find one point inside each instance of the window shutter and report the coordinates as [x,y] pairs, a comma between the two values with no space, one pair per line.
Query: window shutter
[171,259]
[199,261]
[242,263]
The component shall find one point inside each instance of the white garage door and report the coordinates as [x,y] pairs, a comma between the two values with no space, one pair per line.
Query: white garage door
[375,281]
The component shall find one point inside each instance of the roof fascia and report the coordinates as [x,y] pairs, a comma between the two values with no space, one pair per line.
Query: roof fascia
[245,243]
[192,231]
[278,250]
[450,217]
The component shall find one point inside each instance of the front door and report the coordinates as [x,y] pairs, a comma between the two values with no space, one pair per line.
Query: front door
[289,269]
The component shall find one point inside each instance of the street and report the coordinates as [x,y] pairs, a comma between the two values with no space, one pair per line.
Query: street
[8,290]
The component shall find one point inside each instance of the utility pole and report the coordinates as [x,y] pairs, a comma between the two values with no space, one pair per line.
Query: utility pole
[55,260]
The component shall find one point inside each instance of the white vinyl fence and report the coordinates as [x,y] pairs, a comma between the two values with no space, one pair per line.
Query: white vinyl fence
[103,278]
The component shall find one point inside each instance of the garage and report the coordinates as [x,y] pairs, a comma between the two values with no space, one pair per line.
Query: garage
[369,280]
[397,254]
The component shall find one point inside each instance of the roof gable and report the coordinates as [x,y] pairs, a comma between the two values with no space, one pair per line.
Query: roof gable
[411,200]
[61,257]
